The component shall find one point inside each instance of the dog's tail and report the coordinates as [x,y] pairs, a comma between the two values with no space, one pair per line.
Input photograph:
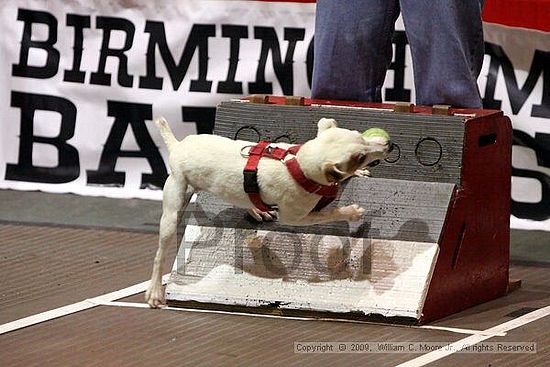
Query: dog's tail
[166,133]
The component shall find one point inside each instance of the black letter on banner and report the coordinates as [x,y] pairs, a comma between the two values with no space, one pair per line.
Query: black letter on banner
[399,92]
[197,39]
[309,62]
[125,114]
[542,60]
[235,33]
[516,95]
[203,117]
[541,145]
[283,71]
[68,167]
[52,59]
[109,24]
[79,22]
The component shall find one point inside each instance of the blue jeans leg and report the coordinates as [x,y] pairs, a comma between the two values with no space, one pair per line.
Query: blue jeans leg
[446,40]
[352,48]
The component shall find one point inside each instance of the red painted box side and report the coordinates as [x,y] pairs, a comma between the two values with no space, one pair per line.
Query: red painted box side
[473,261]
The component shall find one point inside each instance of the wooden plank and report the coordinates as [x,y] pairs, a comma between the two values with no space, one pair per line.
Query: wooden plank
[395,209]
[434,140]
[257,268]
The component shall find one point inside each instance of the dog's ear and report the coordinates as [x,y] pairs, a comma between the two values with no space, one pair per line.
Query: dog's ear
[333,173]
[325,124]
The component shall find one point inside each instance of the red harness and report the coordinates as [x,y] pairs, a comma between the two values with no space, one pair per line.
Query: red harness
[263,149]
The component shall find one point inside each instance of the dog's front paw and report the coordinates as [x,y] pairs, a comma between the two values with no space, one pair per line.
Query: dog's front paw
[362,173]
[261,216]
[352,213]
[154,295]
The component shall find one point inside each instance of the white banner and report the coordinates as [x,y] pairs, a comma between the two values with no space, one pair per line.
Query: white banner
[516,79]
[81,81]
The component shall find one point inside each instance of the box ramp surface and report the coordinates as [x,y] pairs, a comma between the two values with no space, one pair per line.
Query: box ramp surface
[382,266]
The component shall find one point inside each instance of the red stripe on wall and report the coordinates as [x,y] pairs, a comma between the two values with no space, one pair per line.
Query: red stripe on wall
[534,14]
[288,1]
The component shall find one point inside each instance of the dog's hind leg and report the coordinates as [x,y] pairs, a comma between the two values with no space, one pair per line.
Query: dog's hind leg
[174,200]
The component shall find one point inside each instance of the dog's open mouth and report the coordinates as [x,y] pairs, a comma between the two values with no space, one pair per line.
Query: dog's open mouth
[374,163]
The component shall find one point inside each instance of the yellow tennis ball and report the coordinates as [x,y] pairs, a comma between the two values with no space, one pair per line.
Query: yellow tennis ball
[376,132]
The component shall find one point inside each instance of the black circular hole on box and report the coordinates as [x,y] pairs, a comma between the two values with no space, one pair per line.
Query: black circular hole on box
[247,133]
[282,139]
[394,155]
[428,152]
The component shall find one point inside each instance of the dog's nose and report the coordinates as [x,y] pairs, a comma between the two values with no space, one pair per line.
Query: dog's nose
[390,146]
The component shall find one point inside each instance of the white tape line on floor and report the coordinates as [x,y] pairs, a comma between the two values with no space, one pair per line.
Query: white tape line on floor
[75,307]
[45,316]
[452,348]
[145,306]
[459,330]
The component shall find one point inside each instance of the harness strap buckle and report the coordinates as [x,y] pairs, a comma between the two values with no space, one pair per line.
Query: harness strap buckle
[243,154]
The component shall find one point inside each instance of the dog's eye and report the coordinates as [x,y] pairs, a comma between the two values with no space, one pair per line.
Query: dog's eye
[374,163]
[361,159]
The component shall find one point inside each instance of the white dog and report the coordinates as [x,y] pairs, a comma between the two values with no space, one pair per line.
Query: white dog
[215,164]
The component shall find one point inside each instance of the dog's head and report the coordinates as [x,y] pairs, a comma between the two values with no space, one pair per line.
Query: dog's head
[343,151]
